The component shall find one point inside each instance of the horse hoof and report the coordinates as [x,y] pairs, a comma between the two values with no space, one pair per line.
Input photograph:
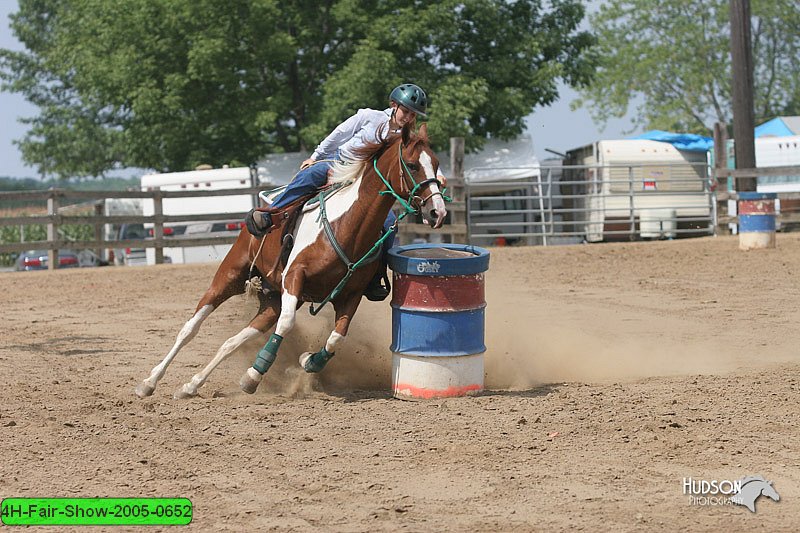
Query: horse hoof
[144,390]
[305,357]
[183,394]
[314,363]
[250,380]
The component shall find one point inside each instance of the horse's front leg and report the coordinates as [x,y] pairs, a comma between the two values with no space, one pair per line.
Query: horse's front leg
[345,309]
[267,355]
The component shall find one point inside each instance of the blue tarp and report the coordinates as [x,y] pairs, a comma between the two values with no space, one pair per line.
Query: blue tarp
[774,128]
[682,141]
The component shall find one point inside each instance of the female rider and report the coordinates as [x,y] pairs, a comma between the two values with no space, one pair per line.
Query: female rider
[406,101]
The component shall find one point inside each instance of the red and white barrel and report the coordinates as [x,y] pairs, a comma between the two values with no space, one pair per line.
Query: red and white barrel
[756,220]
[438,303]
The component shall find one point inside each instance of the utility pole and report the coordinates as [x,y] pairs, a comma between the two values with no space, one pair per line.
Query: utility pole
[756,211]
[742,91]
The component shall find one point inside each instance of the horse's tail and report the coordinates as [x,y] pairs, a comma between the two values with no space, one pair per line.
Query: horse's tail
[252,287]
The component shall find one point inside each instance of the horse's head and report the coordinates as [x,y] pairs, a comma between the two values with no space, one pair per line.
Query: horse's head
[769,491]
[418,169]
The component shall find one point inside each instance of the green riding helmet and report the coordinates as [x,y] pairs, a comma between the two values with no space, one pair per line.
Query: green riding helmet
[411,96]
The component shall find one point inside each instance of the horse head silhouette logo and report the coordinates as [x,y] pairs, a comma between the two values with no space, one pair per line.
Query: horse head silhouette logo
[752,488]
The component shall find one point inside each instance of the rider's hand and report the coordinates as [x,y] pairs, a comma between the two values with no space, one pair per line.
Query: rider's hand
[307,163]
[442,179]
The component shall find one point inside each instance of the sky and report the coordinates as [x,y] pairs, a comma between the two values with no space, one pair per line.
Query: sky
[555,127]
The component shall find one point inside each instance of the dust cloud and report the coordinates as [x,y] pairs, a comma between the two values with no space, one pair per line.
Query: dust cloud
[523,351]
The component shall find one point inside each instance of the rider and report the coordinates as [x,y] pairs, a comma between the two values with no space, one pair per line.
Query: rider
[407,101]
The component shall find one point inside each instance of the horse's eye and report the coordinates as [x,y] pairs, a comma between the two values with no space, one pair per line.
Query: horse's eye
[413,167]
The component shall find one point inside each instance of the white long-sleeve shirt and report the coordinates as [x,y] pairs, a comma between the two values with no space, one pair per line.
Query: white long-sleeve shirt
[354,133]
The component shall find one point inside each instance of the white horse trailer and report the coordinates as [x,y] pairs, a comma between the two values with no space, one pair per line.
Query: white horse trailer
[625,189]
[199,180]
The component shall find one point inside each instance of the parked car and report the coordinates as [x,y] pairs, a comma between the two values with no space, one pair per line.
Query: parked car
[87,258]
[37,260]
[130,256]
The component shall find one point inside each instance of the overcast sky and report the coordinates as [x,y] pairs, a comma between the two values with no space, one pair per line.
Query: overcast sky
[554,127]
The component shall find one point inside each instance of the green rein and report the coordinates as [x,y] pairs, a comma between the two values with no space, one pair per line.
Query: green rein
[373,252]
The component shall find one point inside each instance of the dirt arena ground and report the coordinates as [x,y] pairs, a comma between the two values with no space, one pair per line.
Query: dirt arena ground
[613,371]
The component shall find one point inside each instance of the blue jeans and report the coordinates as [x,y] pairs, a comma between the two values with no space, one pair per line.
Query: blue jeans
[388,243]
[305,182]
[312,178]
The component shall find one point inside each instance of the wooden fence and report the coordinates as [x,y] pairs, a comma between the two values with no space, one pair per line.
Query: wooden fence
[61,203]
[454,231]
[790,201]
[56,217]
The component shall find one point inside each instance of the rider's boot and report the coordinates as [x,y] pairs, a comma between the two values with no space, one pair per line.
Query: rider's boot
[258,222]
[379,288]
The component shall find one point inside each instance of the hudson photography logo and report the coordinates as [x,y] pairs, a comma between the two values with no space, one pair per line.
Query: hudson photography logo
[743,491]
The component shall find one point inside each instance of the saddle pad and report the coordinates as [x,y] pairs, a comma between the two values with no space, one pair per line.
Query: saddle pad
[267,197]
[313,203]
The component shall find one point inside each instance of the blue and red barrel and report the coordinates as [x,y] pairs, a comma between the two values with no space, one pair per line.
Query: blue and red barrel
[756,212]
[438,304]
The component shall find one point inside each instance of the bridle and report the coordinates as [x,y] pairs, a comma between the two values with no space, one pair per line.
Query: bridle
[412,203]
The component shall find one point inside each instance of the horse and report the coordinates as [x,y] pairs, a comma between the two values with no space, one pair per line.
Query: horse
[752,488]
[399,167]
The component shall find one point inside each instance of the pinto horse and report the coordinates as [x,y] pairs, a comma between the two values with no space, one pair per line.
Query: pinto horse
[400,168]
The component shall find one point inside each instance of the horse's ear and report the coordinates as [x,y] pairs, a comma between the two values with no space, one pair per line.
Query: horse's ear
[406,133]
[423,133]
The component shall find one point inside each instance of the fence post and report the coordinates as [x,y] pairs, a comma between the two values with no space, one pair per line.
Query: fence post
[720,161]
[158,225]
[541,206]
[632,236]
[552,229]
[52,229]
[99,234]
[456,184]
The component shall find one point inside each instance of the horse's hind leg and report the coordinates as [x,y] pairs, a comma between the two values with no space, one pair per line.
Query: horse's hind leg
[186,334]
[262,323]
[228,281]
[315,362]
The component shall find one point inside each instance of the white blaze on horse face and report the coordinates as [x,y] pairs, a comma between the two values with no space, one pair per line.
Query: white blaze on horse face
[438,202]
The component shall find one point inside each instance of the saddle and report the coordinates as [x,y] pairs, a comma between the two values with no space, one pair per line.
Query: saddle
[286,217]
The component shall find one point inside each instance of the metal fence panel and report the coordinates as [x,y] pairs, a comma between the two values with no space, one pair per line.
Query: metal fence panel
[575,203]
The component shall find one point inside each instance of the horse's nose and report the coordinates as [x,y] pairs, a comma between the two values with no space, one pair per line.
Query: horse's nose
[438,216]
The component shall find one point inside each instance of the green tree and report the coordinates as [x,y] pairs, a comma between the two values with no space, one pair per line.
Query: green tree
[671,61]
[168,84]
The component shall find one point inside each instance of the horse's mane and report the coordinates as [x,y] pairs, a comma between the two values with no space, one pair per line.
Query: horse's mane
[370,151]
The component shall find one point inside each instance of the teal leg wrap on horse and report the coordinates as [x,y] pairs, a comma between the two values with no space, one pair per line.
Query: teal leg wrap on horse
[266,355]
[318,361]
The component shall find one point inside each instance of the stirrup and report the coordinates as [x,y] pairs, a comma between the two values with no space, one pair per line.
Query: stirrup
[378,289]
[253,227]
